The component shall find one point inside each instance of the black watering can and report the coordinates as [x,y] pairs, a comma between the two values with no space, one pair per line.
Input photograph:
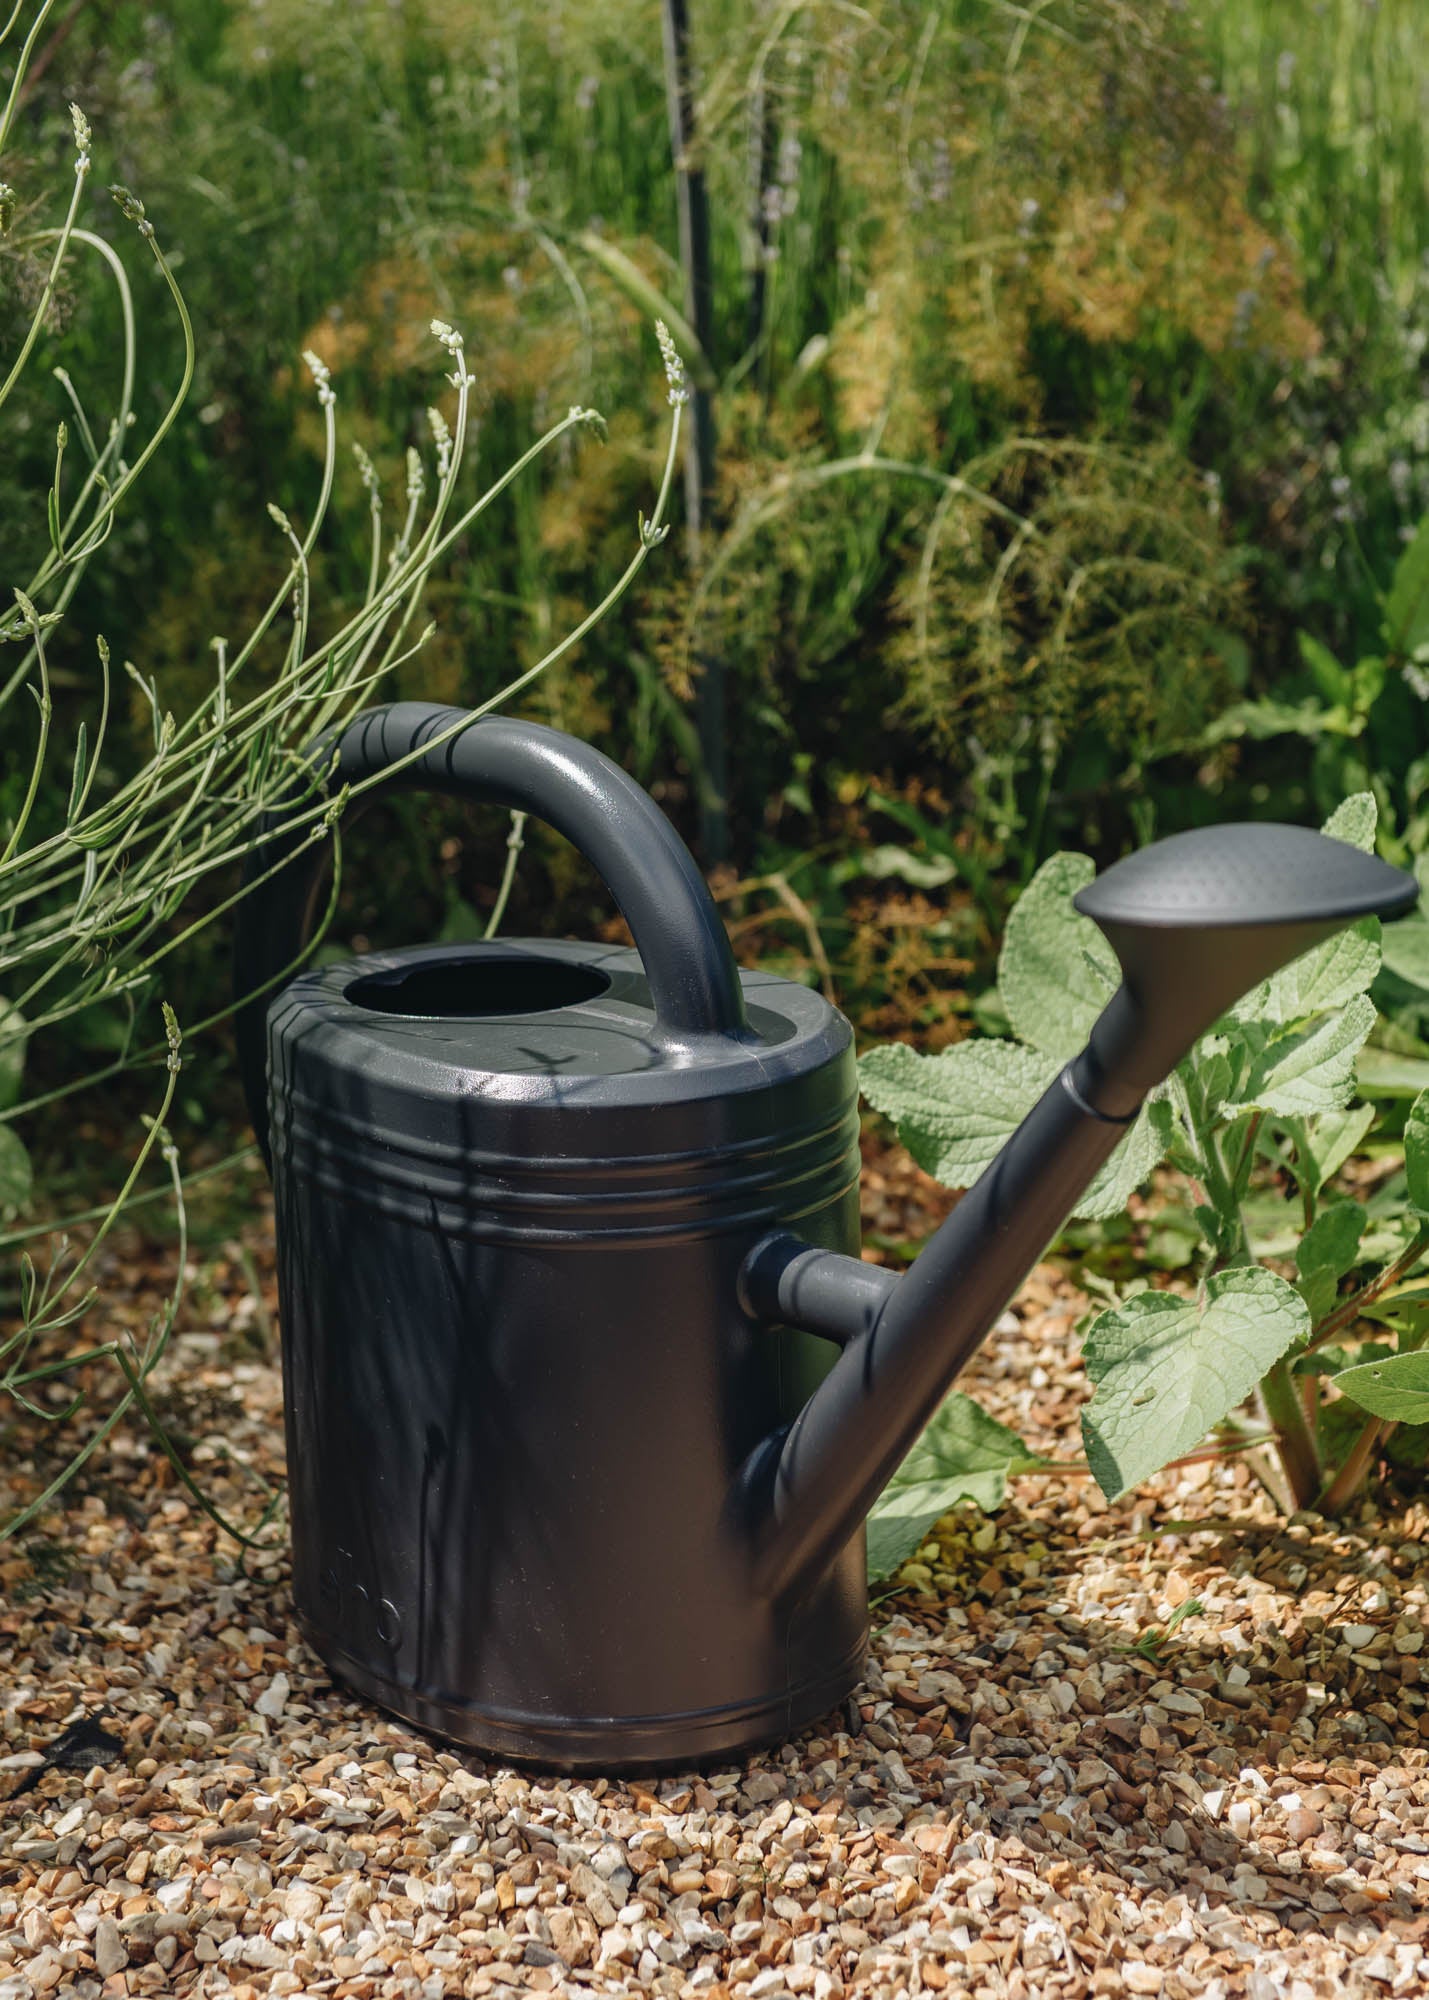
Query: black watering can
[587,1390]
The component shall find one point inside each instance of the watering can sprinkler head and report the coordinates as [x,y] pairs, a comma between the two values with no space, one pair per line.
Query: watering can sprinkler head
[1201,918]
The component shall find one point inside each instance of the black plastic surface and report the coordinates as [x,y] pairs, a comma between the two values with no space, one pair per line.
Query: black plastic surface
[1258,873]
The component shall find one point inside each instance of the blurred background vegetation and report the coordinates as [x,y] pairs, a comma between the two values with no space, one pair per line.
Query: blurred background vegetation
[1068,392]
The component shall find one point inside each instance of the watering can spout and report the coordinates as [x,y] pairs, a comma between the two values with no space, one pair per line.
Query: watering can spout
[1195,922]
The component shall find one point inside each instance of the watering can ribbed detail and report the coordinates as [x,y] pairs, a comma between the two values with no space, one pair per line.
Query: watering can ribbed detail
[587,1390]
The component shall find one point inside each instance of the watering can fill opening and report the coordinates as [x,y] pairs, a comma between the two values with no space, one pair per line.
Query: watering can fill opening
[587,1390]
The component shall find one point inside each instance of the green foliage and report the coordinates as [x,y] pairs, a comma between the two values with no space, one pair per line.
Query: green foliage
[964,1454]
[1396,1389]
[988,302]
[1364,724]
[1166,1369]
[955,1110]
[1266,1093]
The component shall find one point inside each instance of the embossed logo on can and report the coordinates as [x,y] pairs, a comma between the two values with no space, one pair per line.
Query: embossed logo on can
[352,1604]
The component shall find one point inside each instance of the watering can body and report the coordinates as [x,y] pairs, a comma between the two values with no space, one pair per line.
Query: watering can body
[587,1390]
[519,1380]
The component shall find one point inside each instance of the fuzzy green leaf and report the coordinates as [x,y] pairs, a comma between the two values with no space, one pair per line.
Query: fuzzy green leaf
[1405,951]
[1383,1073]
[1354,821]
[1416,1152]
[1056,971]
[1406,610]
[1131,1164]
[956,1110]
[1298,1076]
[1326,1251]
[1323,1144]
[1208,1077]
[1327,976]
[964,1454]
[1396,1389]
[1167,1369]
[16,1175]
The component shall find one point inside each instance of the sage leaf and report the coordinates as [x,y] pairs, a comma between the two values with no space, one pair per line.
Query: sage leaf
[964,1454]
[1416,1152]
[956,1110]
[1327,1250]
[1404,949]
[1056,971]
[1396,1389]
[1354,821]
[1323,1144]
[1131,1164]
[1167,1369]
[16,1174]
[1382,1073]
[1327,976]
[1298,1075]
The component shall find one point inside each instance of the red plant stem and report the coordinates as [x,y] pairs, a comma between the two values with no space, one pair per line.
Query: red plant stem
[1351,1475]
[1349,1311]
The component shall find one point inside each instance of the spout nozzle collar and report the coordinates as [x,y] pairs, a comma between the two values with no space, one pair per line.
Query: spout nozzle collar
[787,1282]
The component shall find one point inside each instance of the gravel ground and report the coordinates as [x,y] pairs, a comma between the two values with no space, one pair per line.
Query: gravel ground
[1017,1802]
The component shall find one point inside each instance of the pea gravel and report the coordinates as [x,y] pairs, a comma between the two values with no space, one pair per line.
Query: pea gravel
[1016,1802]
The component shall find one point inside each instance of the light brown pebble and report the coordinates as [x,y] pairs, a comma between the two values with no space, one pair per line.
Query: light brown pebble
[110,1952]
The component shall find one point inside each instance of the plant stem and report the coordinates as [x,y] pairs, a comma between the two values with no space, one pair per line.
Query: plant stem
[1293,1439]
[692,206]
[1348,1311]
[515,841]
[1350,1477]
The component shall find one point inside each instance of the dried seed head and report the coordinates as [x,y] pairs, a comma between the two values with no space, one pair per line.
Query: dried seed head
[368,473]
[416,479]
[81,138]
[674,366]
[171,1034]
[322,375]
[442,434]
[131,208]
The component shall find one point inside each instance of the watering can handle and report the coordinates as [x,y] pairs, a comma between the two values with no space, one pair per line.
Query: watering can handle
[694,983]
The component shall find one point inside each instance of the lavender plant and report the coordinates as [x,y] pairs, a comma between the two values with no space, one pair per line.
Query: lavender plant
[96,907]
